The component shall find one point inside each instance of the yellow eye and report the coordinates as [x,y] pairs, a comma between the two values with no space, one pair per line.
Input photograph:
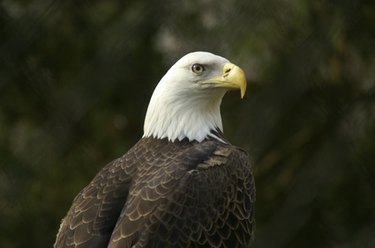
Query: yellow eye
[197,68]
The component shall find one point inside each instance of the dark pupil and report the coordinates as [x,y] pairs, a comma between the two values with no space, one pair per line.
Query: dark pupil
[198,68]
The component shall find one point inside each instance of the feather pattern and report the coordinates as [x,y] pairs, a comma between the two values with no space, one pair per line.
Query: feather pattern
[166,194]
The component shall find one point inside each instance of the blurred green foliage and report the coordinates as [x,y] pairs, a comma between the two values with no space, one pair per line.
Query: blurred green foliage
[76,77]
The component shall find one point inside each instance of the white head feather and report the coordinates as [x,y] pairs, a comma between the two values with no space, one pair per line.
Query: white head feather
[182,108]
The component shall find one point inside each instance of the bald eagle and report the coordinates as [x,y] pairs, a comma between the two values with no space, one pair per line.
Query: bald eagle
[182,184]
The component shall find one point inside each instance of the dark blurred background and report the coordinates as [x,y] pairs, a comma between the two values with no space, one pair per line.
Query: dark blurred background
[76,78]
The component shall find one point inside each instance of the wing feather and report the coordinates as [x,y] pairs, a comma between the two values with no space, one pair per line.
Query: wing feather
[202,195]
[164,194]
[95,210]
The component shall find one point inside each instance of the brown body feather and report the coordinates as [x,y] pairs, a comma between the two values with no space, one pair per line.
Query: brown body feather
[166,194]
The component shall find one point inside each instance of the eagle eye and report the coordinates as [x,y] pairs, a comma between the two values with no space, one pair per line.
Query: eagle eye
[198,68]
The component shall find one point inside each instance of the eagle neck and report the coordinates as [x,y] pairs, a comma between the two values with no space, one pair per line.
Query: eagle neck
[179,117]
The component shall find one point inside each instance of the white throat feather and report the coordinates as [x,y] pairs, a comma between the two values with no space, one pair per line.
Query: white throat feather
[178,117]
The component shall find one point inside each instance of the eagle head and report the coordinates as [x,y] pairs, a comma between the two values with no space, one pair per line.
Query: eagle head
[186,101]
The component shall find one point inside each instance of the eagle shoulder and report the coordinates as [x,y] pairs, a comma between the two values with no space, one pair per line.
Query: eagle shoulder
[94,211]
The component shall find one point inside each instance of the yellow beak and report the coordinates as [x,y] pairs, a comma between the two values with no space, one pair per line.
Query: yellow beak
[233,77]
